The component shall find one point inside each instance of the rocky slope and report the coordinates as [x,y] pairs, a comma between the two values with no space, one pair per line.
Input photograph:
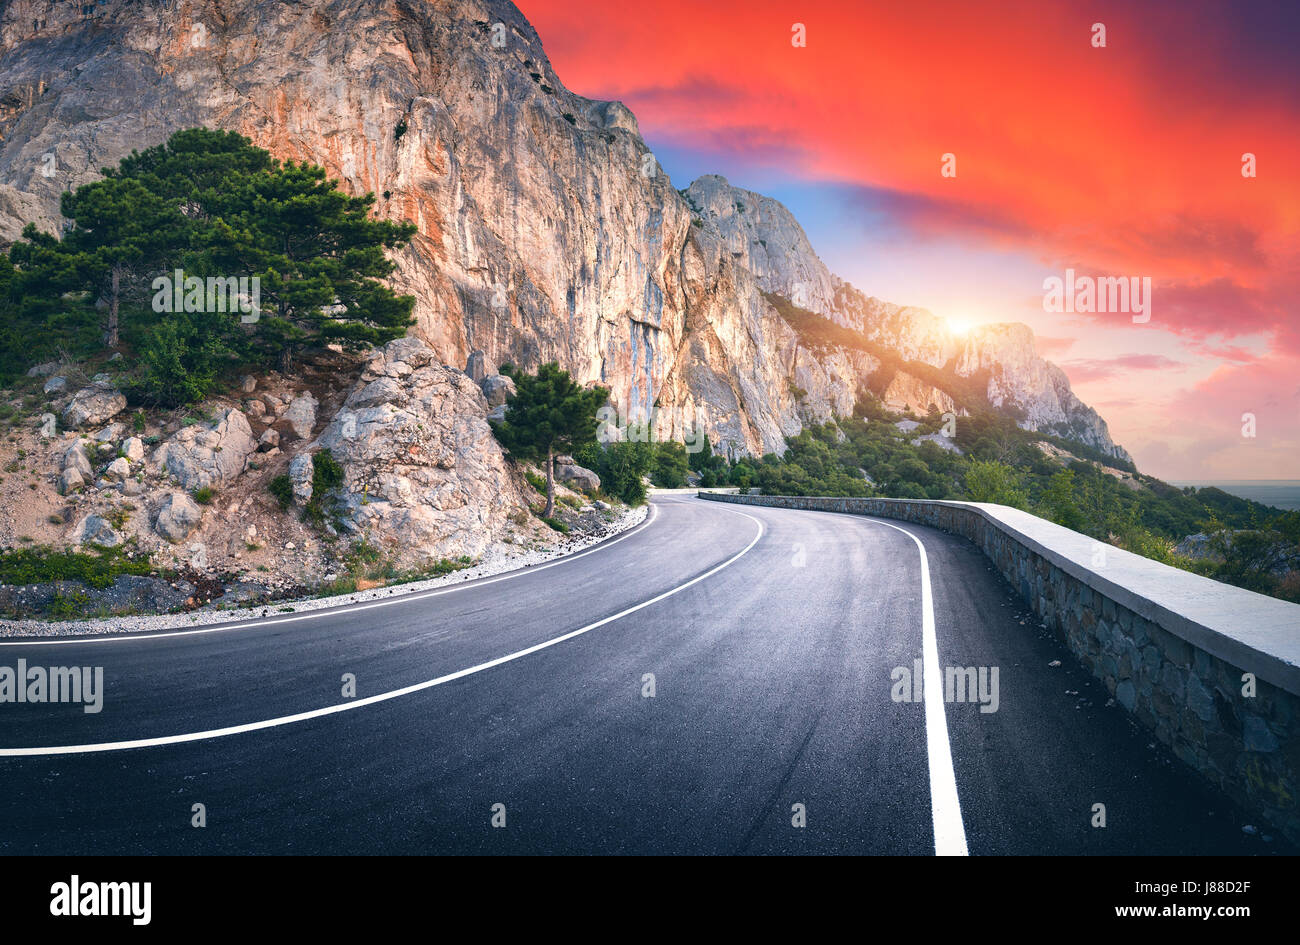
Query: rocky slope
[546,229]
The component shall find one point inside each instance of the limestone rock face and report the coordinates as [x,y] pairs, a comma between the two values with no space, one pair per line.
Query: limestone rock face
[208,454]
[546,229]
[906,392]
[423,475]
[1039,390]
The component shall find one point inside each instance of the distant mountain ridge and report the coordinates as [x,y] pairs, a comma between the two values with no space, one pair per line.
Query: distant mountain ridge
[546,229]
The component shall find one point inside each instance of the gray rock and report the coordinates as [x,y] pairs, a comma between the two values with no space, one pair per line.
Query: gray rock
[96,531]
[43,370]
[497,388]
[270,438]
[497,414]
[70,480]
[177,517]
[248,384]
[74,457]
[301,415]
[581,477]
[49,425]
[208,454]
[478,367]
[118,470]
[109,433]
[130,487]
[55,385]
[92,406]
[300,473]
[133,449]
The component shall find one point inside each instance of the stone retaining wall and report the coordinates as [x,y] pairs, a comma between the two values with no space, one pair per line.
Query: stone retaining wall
[1173,648]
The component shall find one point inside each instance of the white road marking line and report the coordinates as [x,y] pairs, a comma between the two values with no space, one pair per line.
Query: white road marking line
[945,807]
[333,611]
[382,697]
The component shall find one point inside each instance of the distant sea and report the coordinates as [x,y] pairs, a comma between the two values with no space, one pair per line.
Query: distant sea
[1279,493]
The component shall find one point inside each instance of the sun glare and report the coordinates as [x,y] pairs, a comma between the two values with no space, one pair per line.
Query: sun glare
[958,326]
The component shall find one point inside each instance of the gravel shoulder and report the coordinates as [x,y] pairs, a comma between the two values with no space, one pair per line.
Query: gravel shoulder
[496,561]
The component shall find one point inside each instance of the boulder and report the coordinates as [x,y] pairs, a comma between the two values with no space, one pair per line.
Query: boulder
[248,384]
[300,473]
[133,449]
[74,457]
[497,388]
[49,425]
[55,385]
[70,480]
[208,454]
[497,414]
[96,531]
[177,517]
[118,470]
[478,367]
[93,405]
[575,475]
[109,433]
[43,370]
[301,415]
[269,439]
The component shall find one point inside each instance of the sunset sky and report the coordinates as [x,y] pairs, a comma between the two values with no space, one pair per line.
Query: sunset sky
[1119,161]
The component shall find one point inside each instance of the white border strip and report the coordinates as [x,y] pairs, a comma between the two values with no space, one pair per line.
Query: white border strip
[329,611]
[945,807]
[385,696]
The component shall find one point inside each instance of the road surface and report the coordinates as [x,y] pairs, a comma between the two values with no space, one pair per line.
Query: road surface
[775,639]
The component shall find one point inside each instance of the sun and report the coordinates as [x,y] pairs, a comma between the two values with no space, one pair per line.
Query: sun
[958,326]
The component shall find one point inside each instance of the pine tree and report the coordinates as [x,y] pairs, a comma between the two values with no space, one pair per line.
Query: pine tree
[548,414]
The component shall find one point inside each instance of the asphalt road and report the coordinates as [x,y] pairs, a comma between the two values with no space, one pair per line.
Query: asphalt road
[773,638]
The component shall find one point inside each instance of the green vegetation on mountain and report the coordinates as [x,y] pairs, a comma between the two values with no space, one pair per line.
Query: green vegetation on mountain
[869,455]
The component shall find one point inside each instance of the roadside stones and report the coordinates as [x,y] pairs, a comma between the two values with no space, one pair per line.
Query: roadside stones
[93,405]
[96,531]
[583,478]
[199,556]
[177,517]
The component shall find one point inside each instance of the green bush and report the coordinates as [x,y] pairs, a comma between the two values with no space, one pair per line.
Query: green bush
[203,495]
[42,564]
[282,488]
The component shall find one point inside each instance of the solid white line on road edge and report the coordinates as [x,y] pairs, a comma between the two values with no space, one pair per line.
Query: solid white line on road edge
[384,696]
[945,807]
[332,611]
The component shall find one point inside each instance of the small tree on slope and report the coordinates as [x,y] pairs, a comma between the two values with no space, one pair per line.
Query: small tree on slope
[548,414]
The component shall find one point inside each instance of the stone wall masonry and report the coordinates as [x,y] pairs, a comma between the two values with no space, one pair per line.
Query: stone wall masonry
[1171,647]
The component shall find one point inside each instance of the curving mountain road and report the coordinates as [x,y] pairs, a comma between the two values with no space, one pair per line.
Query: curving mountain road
[771,636]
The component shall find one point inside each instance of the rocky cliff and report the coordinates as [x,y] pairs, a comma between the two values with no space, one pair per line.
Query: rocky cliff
[547,231]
